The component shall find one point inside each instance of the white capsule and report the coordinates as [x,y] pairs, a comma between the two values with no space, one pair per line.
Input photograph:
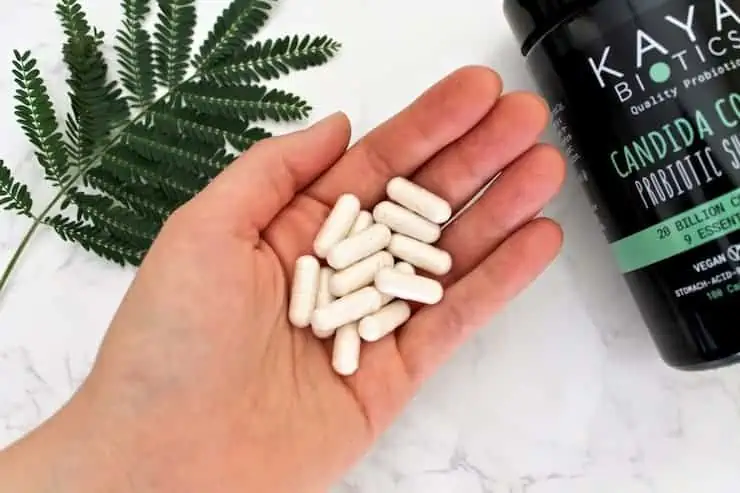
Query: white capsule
[409,287]
[346,351]
[406,222]
[405,267]
[419,200]
[359,275]
[304,291]
[357,247]
[381,323]
[364,220]
[351,308]
[324,296]
[420,254]
[385,299]
[337,224]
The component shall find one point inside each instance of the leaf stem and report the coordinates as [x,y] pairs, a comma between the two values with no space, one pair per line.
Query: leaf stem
[38,220]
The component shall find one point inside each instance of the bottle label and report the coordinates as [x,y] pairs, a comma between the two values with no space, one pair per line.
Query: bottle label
[648,112]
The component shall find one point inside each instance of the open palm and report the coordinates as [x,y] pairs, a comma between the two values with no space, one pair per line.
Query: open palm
[201,373]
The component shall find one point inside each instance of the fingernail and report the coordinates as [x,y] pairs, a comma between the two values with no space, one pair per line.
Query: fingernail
[330,118]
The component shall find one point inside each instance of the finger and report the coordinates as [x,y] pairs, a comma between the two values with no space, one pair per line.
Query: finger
[255,188]
[515,198]
[464,168]
[435,332]
[444,113]
[377,383]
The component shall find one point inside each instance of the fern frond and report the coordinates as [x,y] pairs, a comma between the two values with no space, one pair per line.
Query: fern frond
[97,104]
[250,102]
[125,174]
[207,128]
[37,118]
[129,166]
[14,196]
[272,59]
[249,137]
[136,10]
[145,200]
[238,23]
[221,159]
[173,40]
[118,221]
[135,54]
[95,240]
[192,157]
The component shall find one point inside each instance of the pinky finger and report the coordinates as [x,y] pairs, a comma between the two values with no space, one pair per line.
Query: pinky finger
[435,332]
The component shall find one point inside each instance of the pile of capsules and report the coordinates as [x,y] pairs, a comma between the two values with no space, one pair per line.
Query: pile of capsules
[369,277]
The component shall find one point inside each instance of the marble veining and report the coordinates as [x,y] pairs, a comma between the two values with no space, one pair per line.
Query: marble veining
[562,392]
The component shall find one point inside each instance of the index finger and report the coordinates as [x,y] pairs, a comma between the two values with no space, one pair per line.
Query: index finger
[401,145]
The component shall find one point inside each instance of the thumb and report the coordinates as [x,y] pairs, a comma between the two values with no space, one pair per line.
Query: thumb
[251,191]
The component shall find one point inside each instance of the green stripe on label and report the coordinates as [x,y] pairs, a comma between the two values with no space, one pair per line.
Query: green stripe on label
[679,234]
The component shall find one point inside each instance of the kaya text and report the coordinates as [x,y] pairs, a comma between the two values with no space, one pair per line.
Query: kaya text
[676,48]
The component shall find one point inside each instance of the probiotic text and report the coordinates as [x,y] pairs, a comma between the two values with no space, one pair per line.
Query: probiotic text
[645,97]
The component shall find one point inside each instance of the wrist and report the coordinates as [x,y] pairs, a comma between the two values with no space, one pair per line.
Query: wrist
[64,455]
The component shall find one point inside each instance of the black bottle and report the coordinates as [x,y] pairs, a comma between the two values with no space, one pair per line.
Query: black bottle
[645,96]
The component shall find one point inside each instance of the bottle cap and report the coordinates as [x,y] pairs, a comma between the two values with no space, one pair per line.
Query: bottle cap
[530,20]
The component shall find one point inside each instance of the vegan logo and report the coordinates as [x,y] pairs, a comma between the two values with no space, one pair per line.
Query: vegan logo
[733,253]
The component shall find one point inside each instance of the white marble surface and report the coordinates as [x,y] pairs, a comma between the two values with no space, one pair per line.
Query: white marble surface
[563,392]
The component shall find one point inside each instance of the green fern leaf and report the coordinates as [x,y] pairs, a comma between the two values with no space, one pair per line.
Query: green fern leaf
[120,222]
[125,174]
[95,240]
[14,196]
[130,167]
[238,23]
[37,118]
[197,159]
[135,54]
[253,103]
[222,158]
[272,59]
[97,104]
[207,128]
[144,199]
[249,137]
[136,10]
[173,40]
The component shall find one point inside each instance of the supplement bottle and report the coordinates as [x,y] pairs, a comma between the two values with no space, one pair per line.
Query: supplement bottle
[645,97]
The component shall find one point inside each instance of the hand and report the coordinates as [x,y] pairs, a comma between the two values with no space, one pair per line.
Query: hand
[202,385]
